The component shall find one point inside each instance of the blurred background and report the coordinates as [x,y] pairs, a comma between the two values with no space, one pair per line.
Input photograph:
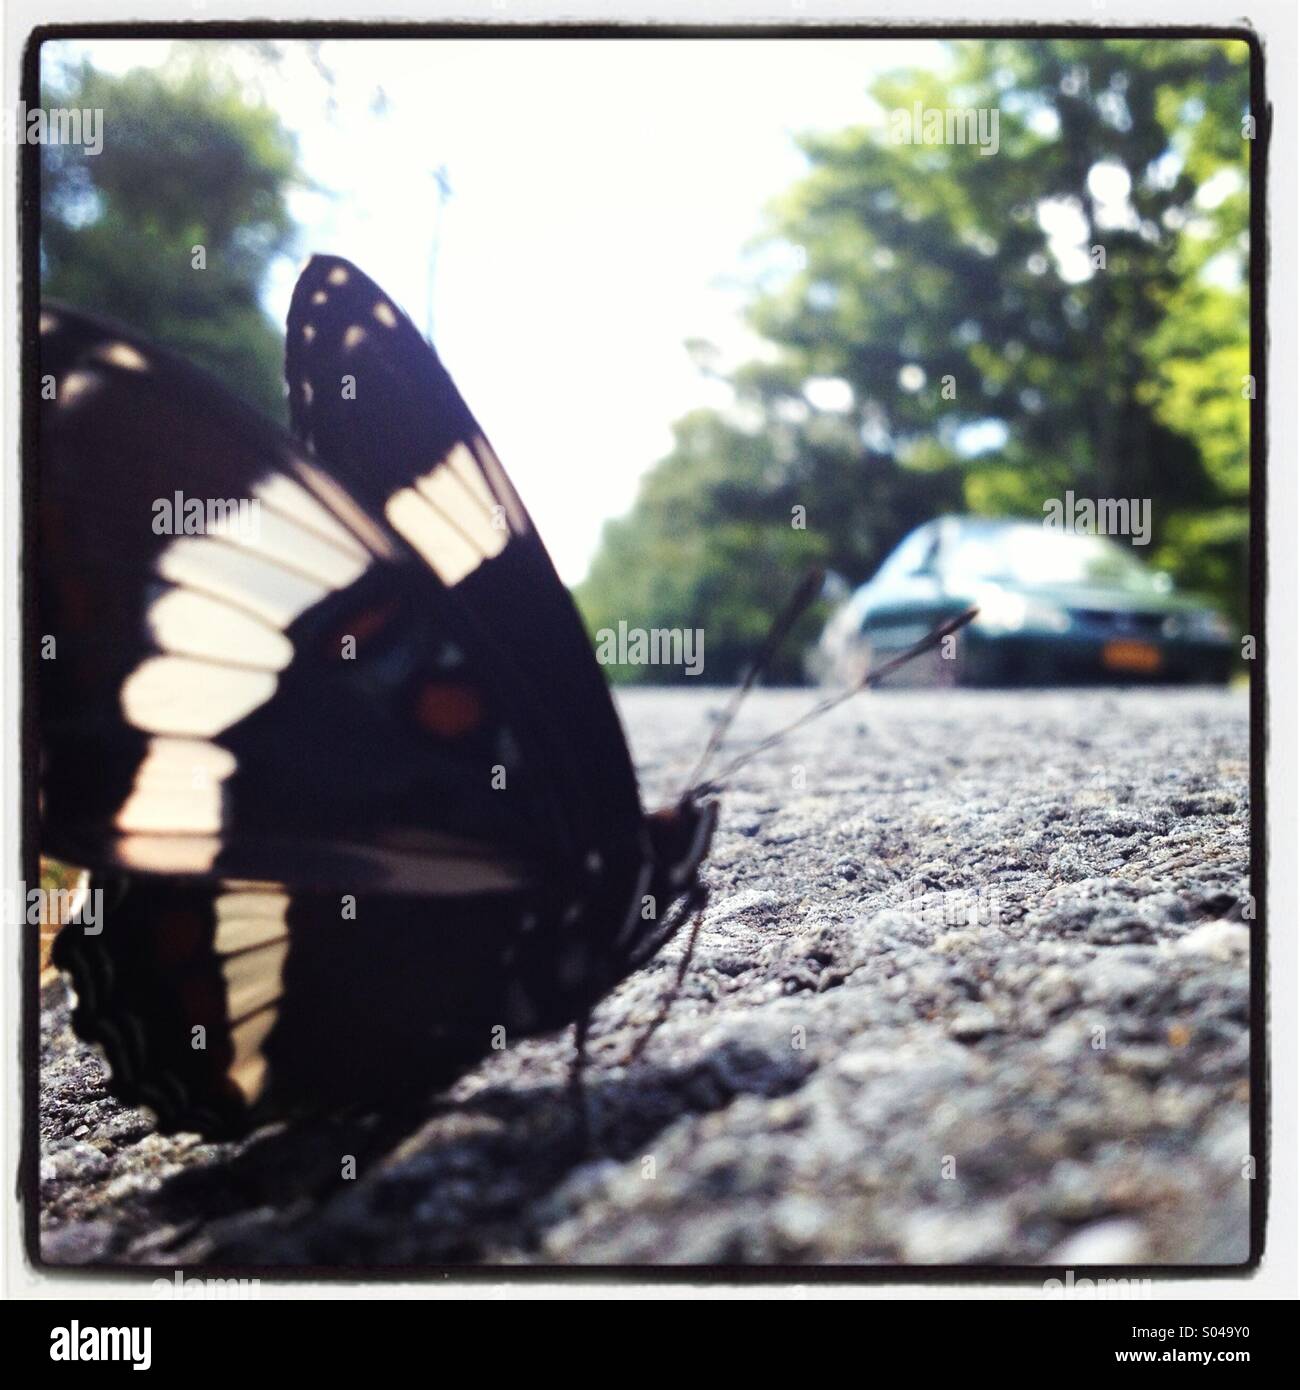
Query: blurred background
[717,320]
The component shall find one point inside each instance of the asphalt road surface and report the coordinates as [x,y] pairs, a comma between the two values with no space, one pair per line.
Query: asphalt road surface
[972,988]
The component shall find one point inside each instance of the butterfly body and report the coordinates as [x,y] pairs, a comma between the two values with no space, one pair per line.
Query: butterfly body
[349,781]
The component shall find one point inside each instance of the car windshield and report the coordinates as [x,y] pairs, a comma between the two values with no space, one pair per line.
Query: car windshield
[1033,555]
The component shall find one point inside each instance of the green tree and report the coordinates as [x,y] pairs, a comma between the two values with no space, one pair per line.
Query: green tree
[1065,310]
[188,161]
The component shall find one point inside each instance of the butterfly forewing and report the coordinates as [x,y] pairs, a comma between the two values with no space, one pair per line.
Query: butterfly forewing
[373,401]
[288,696]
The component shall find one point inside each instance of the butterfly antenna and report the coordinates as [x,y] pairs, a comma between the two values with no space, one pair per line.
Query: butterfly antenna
[872,678]
[809,587]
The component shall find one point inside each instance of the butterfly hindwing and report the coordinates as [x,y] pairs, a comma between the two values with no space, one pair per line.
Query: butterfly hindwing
[222,1003]
[180,982]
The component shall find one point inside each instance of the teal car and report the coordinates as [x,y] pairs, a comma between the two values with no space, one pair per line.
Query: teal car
[1054,608]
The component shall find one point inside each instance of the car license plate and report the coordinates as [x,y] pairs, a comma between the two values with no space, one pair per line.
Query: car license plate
[1131,656]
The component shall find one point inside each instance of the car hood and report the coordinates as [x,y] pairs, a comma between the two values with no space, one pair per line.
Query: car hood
[1088,596]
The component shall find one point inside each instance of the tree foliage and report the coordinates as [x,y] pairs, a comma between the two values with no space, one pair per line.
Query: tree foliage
[1068,312]
[188,160]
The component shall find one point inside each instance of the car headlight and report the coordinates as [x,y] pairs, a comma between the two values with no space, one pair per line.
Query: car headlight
[1205,625]
[1004,611]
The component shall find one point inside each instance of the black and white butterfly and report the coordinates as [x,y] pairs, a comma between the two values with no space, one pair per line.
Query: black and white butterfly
[349,778]
[342,765]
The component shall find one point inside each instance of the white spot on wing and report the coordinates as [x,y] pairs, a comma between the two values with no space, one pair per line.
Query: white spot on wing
[284,495]
[354,337]
[49,322]
[77,385]
[344,506]
[447,517]
[266,589]
[252,935]
[462,464]
[501,486]
[253,978]
[178,695]
[169,854]
[446,550]
[123,355]
[177,788]
[338,276]
[253,916]
[384,313]
[221,628]
[280,540]
[249,1069]
[186,623]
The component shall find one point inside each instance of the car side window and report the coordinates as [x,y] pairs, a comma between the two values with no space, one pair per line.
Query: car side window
[909,558]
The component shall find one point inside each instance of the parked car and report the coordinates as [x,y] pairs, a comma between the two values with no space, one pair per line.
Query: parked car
[1054,608]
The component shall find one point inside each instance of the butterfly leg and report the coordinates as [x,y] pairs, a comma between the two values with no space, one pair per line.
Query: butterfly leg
[696,903]
[577,1090]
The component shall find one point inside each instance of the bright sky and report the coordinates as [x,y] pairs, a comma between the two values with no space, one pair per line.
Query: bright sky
[603,193]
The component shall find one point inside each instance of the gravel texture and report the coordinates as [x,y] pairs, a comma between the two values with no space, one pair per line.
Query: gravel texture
[972,988]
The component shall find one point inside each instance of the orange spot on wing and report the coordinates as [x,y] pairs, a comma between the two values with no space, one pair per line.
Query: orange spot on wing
[361,626]
[448,710]
[371,620]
